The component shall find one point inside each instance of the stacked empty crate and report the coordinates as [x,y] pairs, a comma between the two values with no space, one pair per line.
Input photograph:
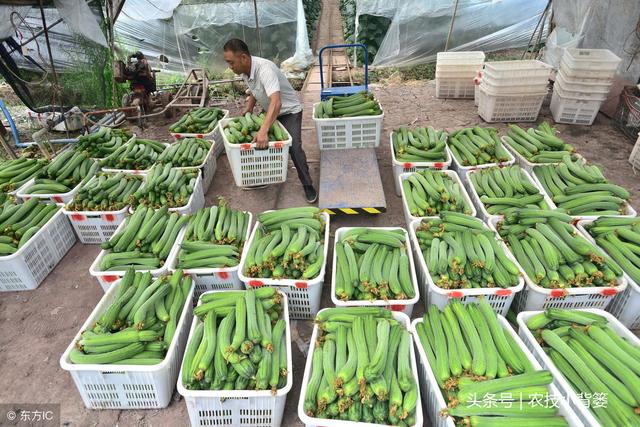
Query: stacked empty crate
[512,91]
[455,72]
[582,85]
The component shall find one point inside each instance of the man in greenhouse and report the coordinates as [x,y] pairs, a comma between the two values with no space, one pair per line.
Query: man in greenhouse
[273,92]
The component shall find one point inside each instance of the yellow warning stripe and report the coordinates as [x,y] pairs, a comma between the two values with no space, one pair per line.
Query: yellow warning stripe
[355,211]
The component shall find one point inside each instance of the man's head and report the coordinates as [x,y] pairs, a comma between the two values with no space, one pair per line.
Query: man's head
[237,55]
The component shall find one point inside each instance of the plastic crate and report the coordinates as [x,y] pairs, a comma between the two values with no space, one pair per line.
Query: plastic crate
[573,110]
[634,158]
[405,167]
[626,305]
[523,87]
[590,59]
[239,408]
[107,278]
[214,135]
[482,210]
[253,167]
[94,227]
[213,279]
[583,414]
[584,85]
[304,295]
[435,401]
[464,170]
[534,297]
[628,210]
[405,207]
[494,107]
[583,94]
[516,71]
[348,132]
[455,87]
[60,199]
[317,422]
[128,386]
[457,58]
[499,299]
[28,266]
[405,306]
[585,73]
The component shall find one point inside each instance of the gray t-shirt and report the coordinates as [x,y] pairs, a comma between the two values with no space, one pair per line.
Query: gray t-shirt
[265,79]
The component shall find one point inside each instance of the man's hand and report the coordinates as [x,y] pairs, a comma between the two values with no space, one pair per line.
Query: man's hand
[262,139]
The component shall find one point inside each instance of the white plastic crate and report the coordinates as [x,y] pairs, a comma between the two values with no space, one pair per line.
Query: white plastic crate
[584,85]
[253,167]
[322,422]
[214,135]
[589,74]
[405,207]
[107,278]
[516,71]
[493,107]
[591,59]
[482,210]
[435,401]
[499,299]
[348,132]
[404,167]
[628,210]
[456,58]
[128,386]
[634,157]
[584,94]
[405,306]
[626,305]
[523,87]
[28,266]
[304,295]
[573,110]
[576,404]
[239,408]
[60,199]
[94,227]
[464,170]
[534,297]
[455,87]
[213,279]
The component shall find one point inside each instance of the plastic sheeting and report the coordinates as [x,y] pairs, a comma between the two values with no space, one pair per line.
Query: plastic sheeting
[386,8]
[419,28]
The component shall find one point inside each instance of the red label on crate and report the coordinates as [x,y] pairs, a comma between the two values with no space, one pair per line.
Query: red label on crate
[438,165]
[199,135]
[109,278]
[455,294]
[255,283]
[278,145]
[109,217]
[223,275]
[397,307]
[302,285]
[177,135]
[503,292]
[245,146]
[26,197]
[574,221]
[137,172]
[609,292]
[558,293]
[58,199]
[77,217]
[408,165]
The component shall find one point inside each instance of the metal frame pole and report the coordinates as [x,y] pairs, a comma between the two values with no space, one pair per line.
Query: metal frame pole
[255,9]
[453,19]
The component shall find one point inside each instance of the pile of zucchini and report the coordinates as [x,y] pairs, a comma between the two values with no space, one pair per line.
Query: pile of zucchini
[214,238]
[373,264]
[419,144]
[287,244]
[102,143]
[356,105]
[19,223]
[620,238]
[462,253]
[166,186]
[539,145]
[199,120]
[553,254]
[144,241]
[477,146]
[242,130]
[503,190]
[429,192]
[599,365]
[138,326]
[14,173]
[581,189]
[106,192]
[64,173]
[361,368]
[239,343]
[475,360]
[186,152]
[138,154]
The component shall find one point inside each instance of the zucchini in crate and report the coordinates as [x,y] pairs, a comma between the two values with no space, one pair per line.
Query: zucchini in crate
[138,327]
[288,244]
[103,142]
[198,120]
[137,154]
[538,145]
[14,173]
[166,186]
[243,336]
[63,174]
[515,390]
[186,152]
[477,146]
[379,380]
[242,130]
[356,105]
[620,238]
[19,223]
[429,192]
[106,192]
[419,144]
[144,241]
[596,362]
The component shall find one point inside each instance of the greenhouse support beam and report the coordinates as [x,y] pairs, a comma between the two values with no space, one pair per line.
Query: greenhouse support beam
[453,19]
[542,18]
[255,10]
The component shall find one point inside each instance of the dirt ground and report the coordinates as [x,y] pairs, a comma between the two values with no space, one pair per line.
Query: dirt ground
[39,325]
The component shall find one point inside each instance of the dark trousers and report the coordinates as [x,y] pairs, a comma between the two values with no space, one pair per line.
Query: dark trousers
[293,124]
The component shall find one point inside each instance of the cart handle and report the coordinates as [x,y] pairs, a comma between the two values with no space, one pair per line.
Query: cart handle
[336,46]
